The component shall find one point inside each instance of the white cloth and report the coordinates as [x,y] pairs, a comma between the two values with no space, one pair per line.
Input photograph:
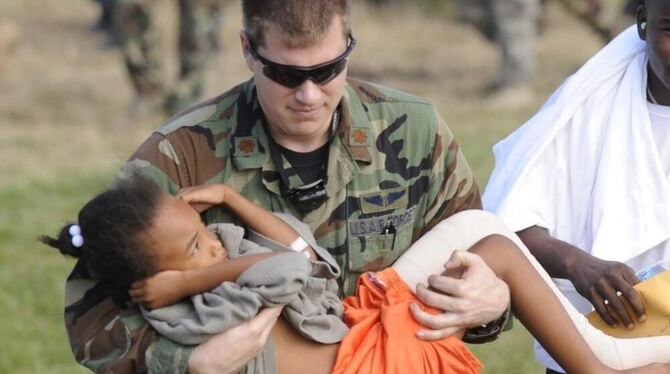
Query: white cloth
[660,128]
[585,166]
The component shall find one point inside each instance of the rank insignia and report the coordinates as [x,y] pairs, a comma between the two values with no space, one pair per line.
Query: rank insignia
[359,136]
[246,146]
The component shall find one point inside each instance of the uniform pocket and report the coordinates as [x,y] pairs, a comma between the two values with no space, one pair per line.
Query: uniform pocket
[372,248]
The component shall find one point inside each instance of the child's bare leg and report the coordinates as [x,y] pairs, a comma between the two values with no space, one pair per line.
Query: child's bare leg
[464,229]
[536,306]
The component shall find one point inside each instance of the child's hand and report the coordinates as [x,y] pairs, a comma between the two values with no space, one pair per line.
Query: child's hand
[204,196]
[162,289]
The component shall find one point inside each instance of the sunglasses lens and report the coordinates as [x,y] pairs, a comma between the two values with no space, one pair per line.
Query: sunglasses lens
[327,73]
[292,78]
[287,77]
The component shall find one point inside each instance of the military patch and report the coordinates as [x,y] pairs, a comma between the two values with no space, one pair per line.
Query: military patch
[377,225]
[392,198]
[359,137]
[246,146]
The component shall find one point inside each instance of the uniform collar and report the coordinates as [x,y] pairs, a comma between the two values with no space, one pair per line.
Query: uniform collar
[250,146]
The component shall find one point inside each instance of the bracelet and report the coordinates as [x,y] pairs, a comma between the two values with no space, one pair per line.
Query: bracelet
[490,331]
[300,245]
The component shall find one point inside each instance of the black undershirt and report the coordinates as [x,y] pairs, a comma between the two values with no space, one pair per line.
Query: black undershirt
[309,166]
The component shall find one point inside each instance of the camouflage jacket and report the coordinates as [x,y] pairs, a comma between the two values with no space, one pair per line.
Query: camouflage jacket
[393,163]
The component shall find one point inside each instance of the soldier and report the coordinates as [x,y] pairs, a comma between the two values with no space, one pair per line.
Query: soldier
[139,40]
[368,168]
[513,26]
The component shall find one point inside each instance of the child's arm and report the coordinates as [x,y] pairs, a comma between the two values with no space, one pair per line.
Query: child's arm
[536,305]
[253,215]
[170,286]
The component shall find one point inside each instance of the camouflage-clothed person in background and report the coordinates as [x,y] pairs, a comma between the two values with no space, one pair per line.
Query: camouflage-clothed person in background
[139,37]
[513,26]
[393,162]
[515,30]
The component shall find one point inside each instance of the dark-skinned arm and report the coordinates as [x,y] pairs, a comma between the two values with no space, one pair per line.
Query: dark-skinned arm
[259,219]
[595,279]
[170,286]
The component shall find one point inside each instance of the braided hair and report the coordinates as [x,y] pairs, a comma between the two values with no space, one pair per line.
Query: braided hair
[112,226]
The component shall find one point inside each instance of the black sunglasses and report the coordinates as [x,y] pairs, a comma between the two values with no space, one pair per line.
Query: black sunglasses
[293,76]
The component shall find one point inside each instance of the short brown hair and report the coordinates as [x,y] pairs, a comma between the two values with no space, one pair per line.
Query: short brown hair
[302,22]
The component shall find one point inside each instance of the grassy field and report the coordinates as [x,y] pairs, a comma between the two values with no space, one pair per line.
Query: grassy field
[64,130]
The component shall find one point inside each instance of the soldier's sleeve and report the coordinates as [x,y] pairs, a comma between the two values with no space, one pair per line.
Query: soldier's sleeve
[104,337]
[452,187]
[108,339]
[160,160]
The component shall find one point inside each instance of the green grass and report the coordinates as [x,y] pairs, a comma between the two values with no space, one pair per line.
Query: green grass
[33,338]
[64,130]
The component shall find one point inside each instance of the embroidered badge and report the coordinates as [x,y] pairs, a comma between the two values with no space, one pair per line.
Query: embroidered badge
[393,198]
[378,225]
[245,146]
[359,136]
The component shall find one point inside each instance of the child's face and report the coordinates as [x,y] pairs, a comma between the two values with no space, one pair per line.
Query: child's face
[180,240]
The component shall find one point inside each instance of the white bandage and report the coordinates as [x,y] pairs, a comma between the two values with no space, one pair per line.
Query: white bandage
[300,245]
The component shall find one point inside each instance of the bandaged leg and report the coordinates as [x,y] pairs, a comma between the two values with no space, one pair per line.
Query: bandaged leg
[459,232]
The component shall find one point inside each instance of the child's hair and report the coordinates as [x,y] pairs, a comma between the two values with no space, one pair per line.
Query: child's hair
[112,226]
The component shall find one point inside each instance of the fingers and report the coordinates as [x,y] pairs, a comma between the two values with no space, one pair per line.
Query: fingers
[631,295]
[635,301]
[137,292]
[626,291]
[199,207]
[437,334]
[198,197]
[138,296]
[438,300]
[616,305]
[598,302]
[461,259]
[447,285]
[440,325]
[266,320]
[610,294]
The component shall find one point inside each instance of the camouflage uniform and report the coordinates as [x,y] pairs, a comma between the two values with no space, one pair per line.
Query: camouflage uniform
[393,162]
[140,39]
[515,29]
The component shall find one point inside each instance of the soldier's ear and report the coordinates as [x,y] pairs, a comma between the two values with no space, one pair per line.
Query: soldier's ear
[246,46]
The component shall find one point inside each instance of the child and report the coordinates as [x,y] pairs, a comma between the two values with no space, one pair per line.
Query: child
[137,231]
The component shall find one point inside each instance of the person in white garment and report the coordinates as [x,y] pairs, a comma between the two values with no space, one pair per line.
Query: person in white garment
[585,181]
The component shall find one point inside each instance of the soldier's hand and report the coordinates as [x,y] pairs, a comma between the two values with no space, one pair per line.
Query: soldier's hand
[605,284]
[474,298]
[229,351]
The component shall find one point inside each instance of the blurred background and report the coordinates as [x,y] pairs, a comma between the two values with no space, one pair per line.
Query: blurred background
[69,117]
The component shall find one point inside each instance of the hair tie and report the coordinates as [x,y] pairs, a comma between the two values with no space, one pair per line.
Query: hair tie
[75,232]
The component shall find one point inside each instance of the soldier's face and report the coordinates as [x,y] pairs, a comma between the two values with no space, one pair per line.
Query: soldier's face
[657,34]
[180,240]
[299,117]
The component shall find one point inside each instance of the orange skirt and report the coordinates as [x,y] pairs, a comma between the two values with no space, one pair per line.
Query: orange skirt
[382,336]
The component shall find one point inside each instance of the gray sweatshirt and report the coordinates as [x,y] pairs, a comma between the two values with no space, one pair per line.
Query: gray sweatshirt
[307,289]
